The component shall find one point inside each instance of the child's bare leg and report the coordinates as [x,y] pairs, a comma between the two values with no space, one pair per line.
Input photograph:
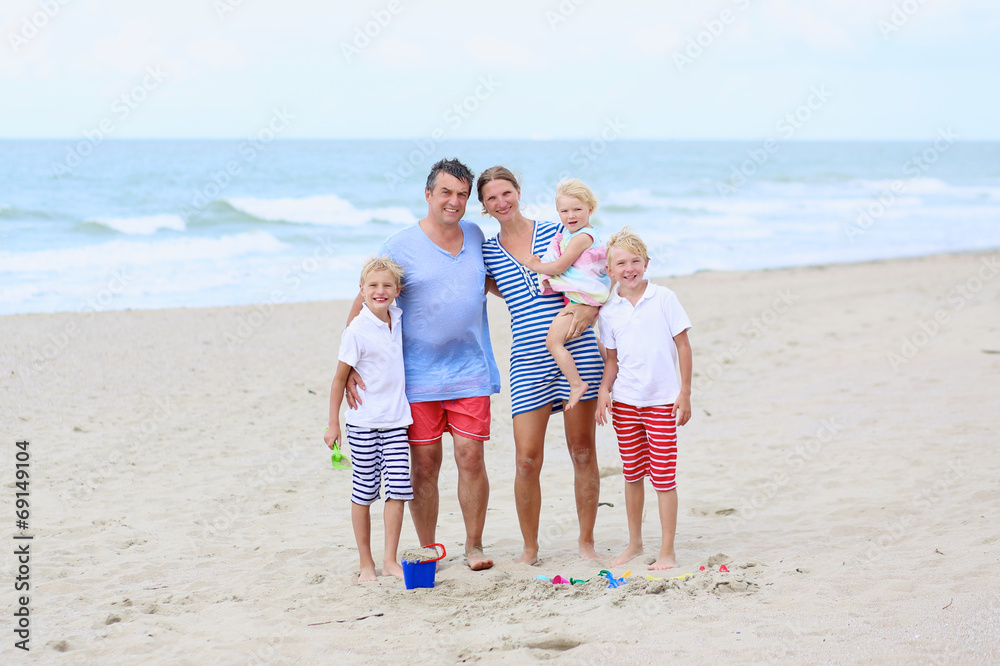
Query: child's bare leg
[362,520]
[635,497]
[393,515]
[667,502]
[555,342]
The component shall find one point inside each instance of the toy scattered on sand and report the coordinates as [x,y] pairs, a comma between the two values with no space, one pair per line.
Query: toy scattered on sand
[682,577]
[338,458]
[612,581]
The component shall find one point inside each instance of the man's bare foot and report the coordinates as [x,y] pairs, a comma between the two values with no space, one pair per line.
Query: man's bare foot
[628,555]
[575,393]
[392,568]
[664,562]
[529,556]
[476,560]
[367,575]
[587,552]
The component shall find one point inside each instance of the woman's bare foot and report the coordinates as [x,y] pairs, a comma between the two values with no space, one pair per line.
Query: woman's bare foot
[367,575]
[628,555]
[476,560]
[575,393]
[529,556]
[392,568]
[664,562]
[587,551]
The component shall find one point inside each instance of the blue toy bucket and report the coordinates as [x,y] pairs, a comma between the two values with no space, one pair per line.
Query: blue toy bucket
[421,574]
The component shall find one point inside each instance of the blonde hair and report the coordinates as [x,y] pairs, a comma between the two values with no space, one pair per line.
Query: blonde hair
[574,187]
[629,241]
[383,263]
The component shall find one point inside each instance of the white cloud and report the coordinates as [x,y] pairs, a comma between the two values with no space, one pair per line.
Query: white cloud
[657,40]
[825,28]
[495,52]
[398,54]
[24,42]
[129,50]
[218,53]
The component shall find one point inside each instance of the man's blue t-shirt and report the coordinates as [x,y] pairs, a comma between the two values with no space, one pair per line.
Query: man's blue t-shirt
[446,338]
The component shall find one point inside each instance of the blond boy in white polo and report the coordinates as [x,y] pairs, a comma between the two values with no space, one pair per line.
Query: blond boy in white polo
[377,429]
[644,329]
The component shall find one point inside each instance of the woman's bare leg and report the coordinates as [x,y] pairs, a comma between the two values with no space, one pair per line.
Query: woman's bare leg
[529,444]
[581,439]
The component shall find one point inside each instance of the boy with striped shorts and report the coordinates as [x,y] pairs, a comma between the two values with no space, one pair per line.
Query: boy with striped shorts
[644,329]
[377,429]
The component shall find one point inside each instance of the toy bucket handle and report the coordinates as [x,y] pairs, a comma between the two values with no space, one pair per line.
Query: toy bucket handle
[435,546]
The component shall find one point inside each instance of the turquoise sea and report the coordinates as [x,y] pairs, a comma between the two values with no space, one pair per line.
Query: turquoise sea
[109,225]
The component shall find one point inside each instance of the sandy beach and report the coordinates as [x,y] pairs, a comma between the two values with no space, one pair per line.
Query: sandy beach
[841,462]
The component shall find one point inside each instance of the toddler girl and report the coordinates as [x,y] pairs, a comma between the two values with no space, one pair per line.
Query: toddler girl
[574,264]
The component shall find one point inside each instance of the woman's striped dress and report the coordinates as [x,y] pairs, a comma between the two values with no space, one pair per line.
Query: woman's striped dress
[535,379]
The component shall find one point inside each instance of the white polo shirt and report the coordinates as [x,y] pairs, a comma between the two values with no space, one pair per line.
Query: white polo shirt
[376,352]
[644,338]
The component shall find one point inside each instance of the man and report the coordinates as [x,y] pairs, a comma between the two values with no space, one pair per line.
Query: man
[450,369]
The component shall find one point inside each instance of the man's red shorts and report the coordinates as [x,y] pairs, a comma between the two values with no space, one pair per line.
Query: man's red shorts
[464,417]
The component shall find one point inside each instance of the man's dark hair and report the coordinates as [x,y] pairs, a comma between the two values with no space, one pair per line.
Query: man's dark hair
[452,167]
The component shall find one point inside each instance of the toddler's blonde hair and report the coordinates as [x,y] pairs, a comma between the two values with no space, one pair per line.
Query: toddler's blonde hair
[574,187]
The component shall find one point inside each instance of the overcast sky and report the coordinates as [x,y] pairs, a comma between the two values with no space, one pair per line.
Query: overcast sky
[729,69]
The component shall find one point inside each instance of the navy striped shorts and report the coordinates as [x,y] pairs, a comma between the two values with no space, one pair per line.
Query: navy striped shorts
[376,454]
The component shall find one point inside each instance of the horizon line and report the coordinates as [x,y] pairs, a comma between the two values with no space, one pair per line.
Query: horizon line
[523,139]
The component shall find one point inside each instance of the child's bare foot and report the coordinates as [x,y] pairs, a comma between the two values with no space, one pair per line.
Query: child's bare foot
[628,555]
[664,562]
[529,556]
[575,393]
[367,575]
[476,560]
[392,568]
[587,551]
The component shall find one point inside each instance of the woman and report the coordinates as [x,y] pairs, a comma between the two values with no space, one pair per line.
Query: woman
[537,387]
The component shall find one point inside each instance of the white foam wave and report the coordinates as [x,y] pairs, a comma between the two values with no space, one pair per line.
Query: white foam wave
[789,205]
[124,252]
[326,209]
[635,198]
[723,221]
[141,226]
[725,228]
[909,185]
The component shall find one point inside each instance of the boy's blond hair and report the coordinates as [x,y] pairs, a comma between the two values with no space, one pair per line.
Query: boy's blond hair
[628,240]
[574,187]
[383,263]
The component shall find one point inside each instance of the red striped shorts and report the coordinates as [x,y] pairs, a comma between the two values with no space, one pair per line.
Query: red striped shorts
[647,441]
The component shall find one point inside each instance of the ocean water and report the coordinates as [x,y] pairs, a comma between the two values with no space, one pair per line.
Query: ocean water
[110,225]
